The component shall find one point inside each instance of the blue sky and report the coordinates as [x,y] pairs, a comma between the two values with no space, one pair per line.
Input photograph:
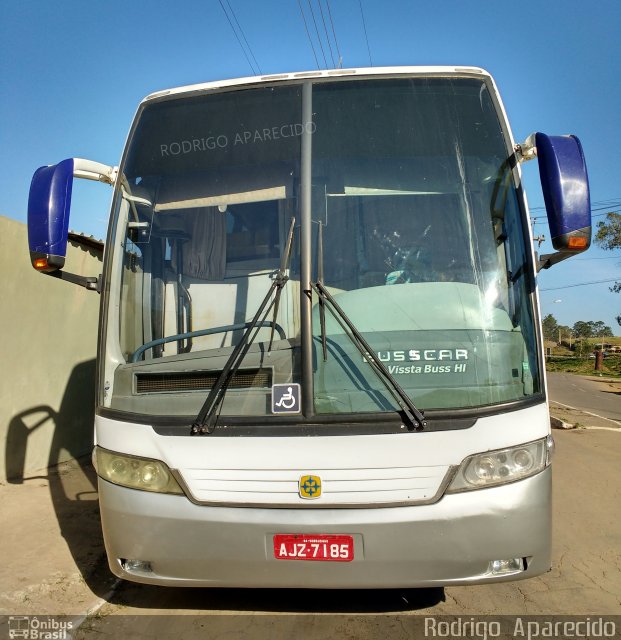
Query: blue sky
[73,72]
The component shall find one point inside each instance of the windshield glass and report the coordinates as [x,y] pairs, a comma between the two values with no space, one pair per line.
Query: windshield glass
[422,246]
[423,249]
[211,188]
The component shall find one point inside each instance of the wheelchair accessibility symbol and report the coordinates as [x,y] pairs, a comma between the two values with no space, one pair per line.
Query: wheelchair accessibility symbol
[286,398]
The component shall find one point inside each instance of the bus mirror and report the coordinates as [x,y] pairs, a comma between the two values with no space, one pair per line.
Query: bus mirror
[49,203]
[565,187]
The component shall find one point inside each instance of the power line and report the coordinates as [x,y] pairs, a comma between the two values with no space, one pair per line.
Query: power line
[326,30]
[543,219]
[599,215]
[254,72]
[364,24]
[308,33]
[310,6]
[336,42]
[612,205]
[601,258]
[243,36]
[606,203]
[579,284]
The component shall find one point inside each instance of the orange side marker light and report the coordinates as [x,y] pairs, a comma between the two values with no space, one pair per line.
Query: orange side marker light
[577,242]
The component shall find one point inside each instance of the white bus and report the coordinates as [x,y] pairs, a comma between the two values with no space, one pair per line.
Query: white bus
[320,359]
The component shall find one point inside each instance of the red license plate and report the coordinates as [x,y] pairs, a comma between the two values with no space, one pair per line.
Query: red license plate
[301,546]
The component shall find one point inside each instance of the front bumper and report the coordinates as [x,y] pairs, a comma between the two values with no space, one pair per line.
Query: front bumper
[451,542]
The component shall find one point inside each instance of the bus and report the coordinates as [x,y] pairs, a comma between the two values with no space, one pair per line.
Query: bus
[320,357]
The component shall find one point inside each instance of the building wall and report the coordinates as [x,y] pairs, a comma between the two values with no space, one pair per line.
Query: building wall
[47,353]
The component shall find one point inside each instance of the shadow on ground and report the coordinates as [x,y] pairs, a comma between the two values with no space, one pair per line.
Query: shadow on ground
[73,493]
[276,600]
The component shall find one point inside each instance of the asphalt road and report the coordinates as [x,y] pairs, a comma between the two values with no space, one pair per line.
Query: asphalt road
[587,394]
[585,579]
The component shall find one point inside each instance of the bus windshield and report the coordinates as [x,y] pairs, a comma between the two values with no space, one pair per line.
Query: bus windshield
[414,228]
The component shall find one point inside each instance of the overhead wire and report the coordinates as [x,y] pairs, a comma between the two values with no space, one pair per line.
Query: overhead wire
[328,32]
[254,71]
[336,42]
[310,6]
[366,35]
[599,258]
[325,28]
[543,219]
[600,205]
[579,284]
[244,36]
[607,207]
[308,34]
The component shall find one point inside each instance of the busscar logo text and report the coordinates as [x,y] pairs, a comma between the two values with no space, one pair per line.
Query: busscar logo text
[416,355]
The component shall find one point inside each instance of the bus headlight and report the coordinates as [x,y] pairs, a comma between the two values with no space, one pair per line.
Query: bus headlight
[502,466]
[134,472]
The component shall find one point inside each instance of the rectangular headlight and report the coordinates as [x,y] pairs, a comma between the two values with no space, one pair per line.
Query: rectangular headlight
[135,472]
[502,466]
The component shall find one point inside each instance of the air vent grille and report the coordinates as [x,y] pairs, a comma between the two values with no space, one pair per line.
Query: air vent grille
[200,380]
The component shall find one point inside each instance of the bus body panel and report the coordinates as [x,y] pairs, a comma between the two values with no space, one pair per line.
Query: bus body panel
[451,542]
[361,470]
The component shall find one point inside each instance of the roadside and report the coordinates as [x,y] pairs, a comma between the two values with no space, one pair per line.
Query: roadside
[566,416]
[53,560]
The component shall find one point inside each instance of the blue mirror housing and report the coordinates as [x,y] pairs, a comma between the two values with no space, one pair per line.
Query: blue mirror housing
[49,203]
[565,186]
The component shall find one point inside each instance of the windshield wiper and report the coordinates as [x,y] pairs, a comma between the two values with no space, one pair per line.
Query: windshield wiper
[414,416]
[322,305]
[284,264]
[205,423]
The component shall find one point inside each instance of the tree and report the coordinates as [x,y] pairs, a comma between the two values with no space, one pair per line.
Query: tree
[608,237]
[583,329]
[592,329]
[608,234]
[550,328]
[601,330]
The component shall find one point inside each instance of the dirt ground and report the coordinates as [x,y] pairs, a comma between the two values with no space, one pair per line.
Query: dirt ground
[52,548]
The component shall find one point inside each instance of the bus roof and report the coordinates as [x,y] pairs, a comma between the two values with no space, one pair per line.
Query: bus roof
[329,73]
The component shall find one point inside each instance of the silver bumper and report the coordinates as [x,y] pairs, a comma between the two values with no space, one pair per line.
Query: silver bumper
[451,542]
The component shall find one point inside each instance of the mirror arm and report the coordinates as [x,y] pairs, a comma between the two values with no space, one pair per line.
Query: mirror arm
[527,150]
[88,282]
[97,171]
[546,260]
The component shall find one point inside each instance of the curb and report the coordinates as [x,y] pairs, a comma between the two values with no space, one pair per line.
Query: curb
[557,423]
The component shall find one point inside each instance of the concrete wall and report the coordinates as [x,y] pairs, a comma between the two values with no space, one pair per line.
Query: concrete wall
[48,343]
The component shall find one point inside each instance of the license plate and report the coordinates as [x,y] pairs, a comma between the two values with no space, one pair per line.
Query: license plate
[326,548]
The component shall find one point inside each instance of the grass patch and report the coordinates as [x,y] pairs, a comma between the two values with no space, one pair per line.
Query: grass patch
[584,366]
